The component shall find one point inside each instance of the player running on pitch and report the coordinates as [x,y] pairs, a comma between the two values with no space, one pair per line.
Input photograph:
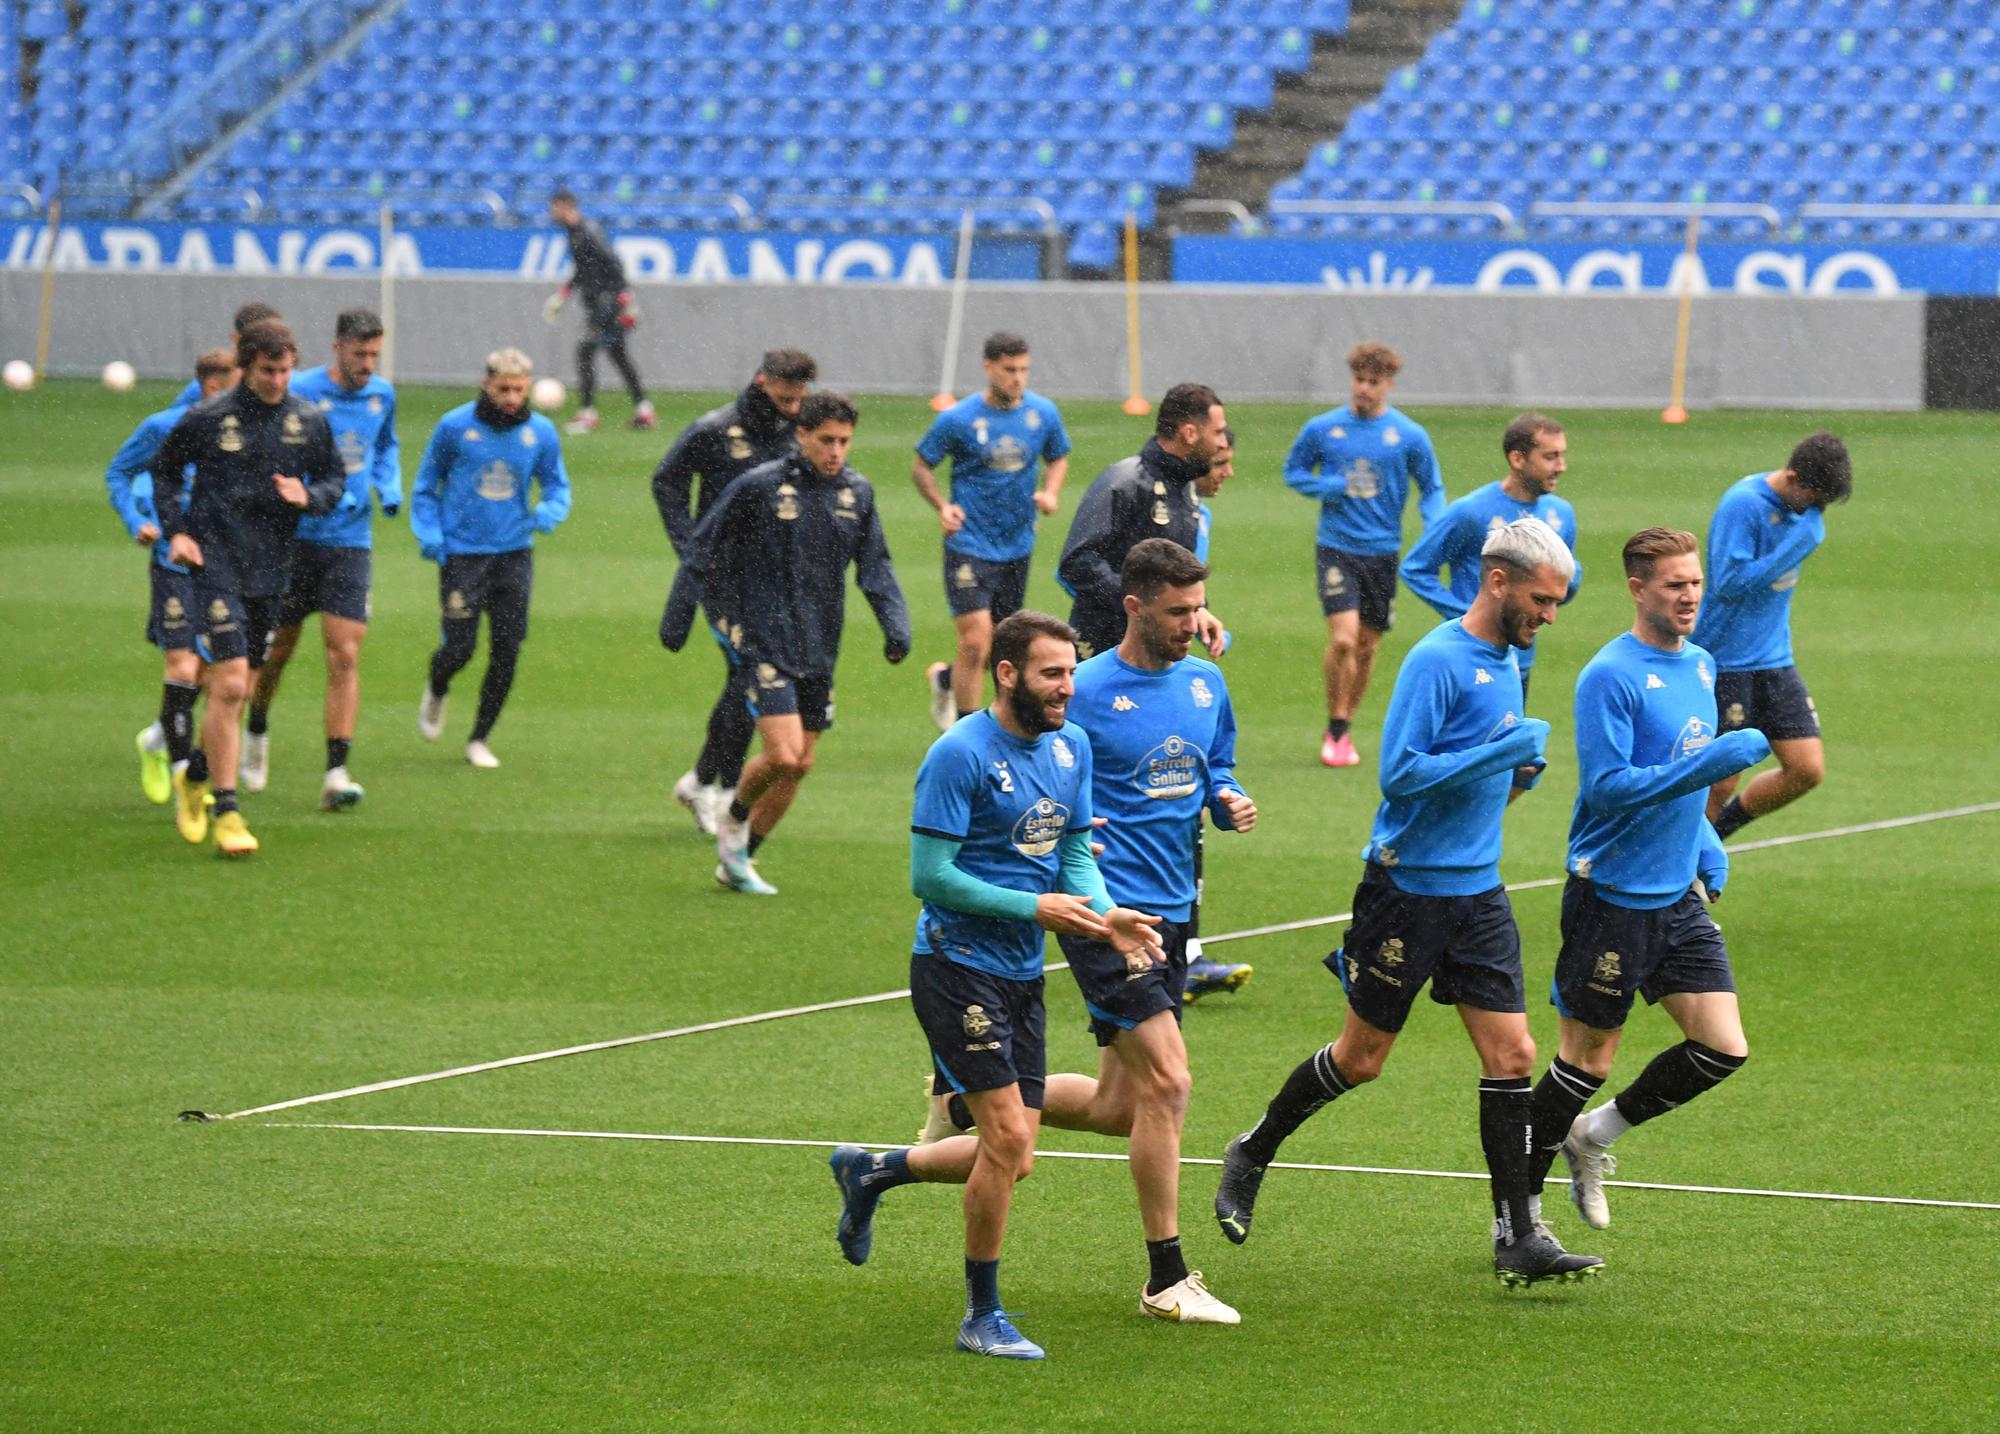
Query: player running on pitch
[1431,907]
[257,458]
[1642,858]
[770,561]
[471,515]
[1359,461]
[1537,455]
[168,741]
[754,428]
[999,853]
[994,441]
[332,572]
[1764,529]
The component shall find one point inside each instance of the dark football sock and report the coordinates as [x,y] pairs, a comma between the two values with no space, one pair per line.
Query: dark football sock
[889,1168]
[756,840]
[336,751]
[260,720]
[1336,727]
[1506,1105]
[1675,1076]
[1168,1264]
[738,812]
[1732,818]
[1560,1097]
[982,1287]
[197,766]
[225,800]
[177,718]
[1315,1082]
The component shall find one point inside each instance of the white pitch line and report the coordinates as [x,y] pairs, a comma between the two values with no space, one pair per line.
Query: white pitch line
[882,996]
[1112,1155]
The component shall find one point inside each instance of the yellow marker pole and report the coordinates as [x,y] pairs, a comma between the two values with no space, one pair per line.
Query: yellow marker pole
[1676,410]
[48,290]
[388,291]
[954,329]
[1135,402]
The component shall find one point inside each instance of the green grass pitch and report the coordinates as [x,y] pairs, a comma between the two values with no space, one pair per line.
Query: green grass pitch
[164,1276]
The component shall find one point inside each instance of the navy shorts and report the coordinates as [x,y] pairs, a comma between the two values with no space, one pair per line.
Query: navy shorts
[233,625]
[1467,947]
[497,584]
[170,614]
[1117,999]
[334,581]
[985,1031]
[1363,581]
[1612,953]
[1774,701]
[773,692]
[1097,629]
[982,585]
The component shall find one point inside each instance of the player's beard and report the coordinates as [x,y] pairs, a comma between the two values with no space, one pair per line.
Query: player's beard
[1518,626]
[1031,710]
[1162,644]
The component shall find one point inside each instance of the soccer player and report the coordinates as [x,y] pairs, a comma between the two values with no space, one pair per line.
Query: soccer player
[246,316]
[1149,495]
[168,741]
[609,311]
[257,457]
[1764,529]
[994,441]
[1641,859]
[1430,906]
[1536,452]
[331,572]
[1359,461]
[773,555]
[751,430]
[999,853]
[470,514]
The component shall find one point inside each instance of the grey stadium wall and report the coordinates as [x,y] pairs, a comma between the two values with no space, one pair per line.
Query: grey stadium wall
[1579,350]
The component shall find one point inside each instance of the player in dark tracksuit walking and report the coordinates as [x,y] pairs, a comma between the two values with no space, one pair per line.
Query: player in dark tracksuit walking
[773,554]
[608,312]
[747,432]
[1149,495]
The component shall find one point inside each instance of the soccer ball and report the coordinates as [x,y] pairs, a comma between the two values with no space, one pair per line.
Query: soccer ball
[119,377]
[548,394]
[18,375]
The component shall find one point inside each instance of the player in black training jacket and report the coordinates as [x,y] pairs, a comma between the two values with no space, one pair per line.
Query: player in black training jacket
[608,311]
[773,554]
[260,457]
[712,452]
[1149,495]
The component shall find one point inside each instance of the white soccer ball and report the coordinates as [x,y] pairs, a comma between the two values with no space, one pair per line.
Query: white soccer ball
[548,394]
[18,375]
[119,376]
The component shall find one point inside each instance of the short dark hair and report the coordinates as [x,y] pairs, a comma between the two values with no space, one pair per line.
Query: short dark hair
[1647,546]
[1525,432]
[563,196]
[1373,360]
[788,365]
[253,314]
[1156,563]
[820,409]
[215,361]
[1003,345]
[268,338]
[358,325]
[1821,465]
[1228,436]
[1184,403]
[1016,633]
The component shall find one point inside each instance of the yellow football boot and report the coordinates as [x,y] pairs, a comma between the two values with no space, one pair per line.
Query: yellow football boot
[156,773]
[232,838]
[192,801]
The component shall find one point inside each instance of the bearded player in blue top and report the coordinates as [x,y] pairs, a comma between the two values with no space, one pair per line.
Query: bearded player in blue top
[1765,528]
[471,515]
[1643,863]
[1537,452]
[994,442]
[999,853]
[1431,907]
[1359,461]
[332,571]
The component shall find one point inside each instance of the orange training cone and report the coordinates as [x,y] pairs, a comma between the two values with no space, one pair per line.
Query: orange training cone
[940,402]
[1674,413]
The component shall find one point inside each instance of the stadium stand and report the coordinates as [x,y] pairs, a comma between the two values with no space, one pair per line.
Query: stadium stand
[862,115]
[1792,106]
